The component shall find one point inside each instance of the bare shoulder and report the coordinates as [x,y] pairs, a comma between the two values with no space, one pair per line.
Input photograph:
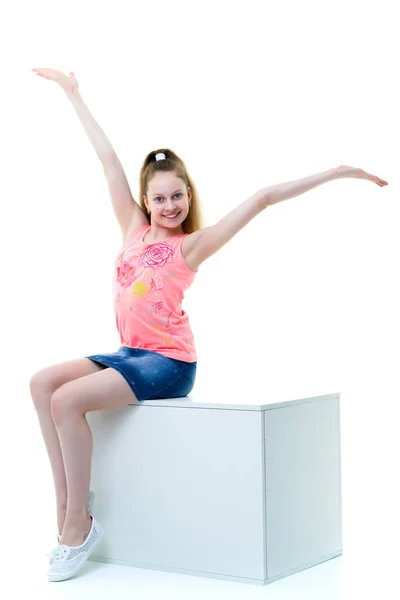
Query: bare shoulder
[190,249]
[138,220]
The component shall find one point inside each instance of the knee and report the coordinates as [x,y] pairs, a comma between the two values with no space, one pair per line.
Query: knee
[40,388]
[61,403]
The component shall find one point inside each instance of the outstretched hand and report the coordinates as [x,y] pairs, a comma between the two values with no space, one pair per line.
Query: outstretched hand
[67,82]
[346,171]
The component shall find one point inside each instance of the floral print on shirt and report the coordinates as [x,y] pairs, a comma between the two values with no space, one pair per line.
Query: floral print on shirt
[154,257]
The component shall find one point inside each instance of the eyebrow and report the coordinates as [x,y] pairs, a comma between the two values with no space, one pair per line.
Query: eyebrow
[172,194]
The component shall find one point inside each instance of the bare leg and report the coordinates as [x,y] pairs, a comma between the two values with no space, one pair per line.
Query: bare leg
[69,405]
[42,386]
[52,444]
[77,446]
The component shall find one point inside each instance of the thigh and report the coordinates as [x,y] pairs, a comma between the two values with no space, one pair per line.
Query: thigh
[46,381]
[106,389]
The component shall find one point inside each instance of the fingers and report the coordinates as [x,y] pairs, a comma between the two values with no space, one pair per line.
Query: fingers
[360,173]
[375,179]
[41,72]
[380,182]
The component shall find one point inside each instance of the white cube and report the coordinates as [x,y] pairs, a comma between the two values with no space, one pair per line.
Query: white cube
[241,492]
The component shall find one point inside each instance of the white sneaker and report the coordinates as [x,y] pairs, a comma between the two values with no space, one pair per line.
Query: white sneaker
[90,506]
[66,560]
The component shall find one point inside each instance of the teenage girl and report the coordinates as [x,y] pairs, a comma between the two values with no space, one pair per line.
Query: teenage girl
[163,245]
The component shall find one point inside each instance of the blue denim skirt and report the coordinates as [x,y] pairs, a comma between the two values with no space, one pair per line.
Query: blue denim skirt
[150,375]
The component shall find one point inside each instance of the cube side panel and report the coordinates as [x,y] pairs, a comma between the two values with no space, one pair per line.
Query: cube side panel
[303,484]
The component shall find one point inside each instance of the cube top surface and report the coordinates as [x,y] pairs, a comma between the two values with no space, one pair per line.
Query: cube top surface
[234,402]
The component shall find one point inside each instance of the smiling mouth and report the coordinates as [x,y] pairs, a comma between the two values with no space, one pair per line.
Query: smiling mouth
[172,216]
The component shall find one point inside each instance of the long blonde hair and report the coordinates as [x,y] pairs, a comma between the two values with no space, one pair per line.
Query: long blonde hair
[172,163]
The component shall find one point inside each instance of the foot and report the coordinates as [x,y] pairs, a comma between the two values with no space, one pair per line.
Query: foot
[66,561]
[76,535]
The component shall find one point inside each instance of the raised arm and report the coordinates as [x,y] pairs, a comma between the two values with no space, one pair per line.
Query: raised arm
[126,209]
[290,189]
[207,241]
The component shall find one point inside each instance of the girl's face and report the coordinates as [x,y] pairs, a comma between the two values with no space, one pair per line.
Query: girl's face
[168,200]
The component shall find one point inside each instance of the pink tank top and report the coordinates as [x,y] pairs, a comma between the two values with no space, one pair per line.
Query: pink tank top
[148,286]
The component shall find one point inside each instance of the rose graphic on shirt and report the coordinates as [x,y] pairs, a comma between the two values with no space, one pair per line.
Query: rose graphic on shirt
[157,256]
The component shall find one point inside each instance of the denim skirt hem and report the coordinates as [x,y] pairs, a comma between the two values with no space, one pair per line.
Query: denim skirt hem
[150,375]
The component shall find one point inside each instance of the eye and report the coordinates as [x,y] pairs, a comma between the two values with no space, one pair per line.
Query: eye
[177,194]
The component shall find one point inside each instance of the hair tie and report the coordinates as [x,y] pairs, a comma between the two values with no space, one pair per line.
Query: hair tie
[160,156]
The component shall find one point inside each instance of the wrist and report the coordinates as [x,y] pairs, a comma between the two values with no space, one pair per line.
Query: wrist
[343,172]
[73,95]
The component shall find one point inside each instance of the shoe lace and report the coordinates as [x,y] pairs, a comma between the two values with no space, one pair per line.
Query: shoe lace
[56,553]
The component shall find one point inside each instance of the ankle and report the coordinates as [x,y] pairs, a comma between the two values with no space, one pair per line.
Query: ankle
[74,531]
[76,521]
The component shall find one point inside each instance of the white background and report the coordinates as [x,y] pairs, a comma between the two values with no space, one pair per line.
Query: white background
[302,302]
